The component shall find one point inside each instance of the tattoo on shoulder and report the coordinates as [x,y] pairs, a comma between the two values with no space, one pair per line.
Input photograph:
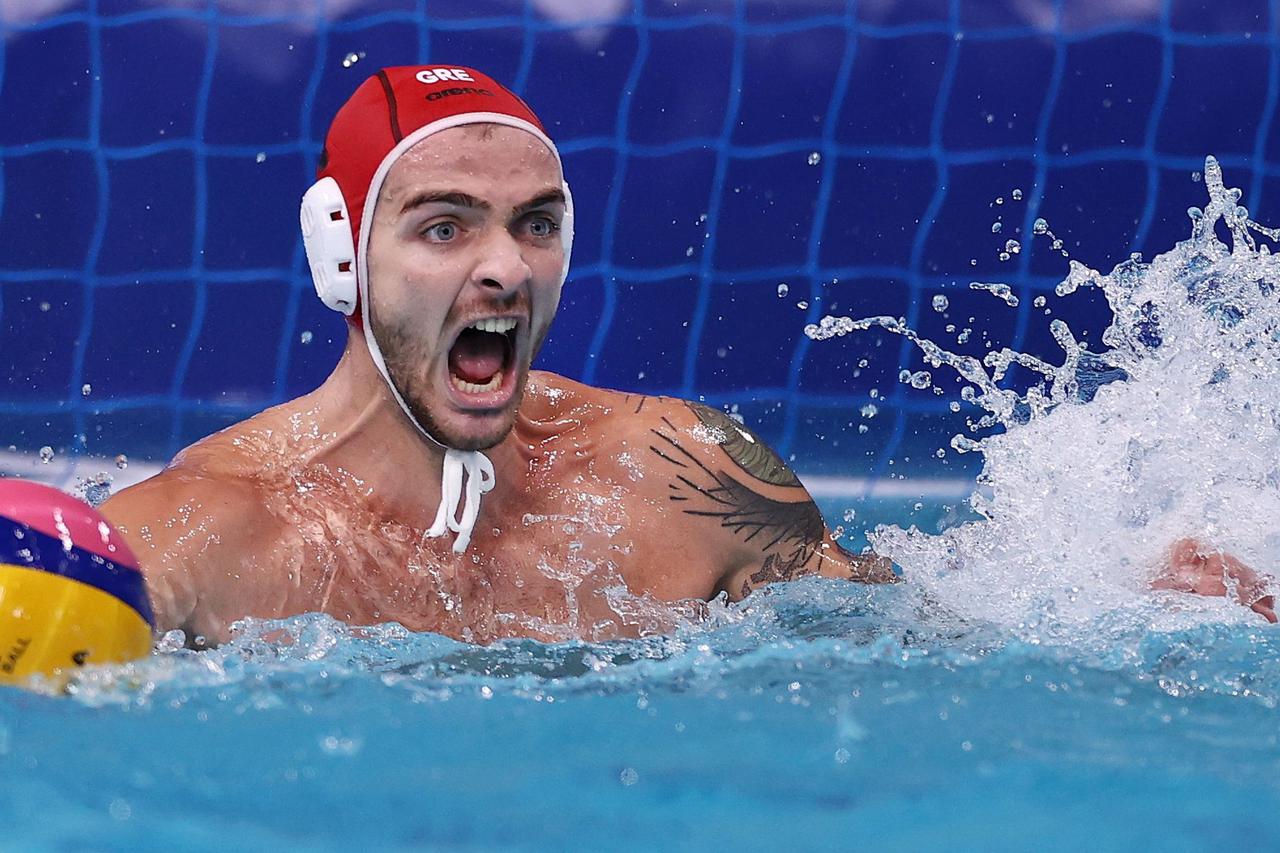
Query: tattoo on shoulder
[790,531]
[745,448]
[638,400]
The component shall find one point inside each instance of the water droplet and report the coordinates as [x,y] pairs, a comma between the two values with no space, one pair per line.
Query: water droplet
[814,158]
[783,290]
[337,745]
[1013,247]
[996,227]
[46,454]
[1039,301]
[305,337]
[842,756]
[862,429]
[119,809]
[688,253]
[261,157]
[1196,177]
[1000,200]
[870,410]
[954,406]
[940,453]
[1017,195]
[628,776]
[351,59]
[45,306]
[802,305]
[940,303]
[1004,256]
[1040,226]
[86,389]
[920,379]
[122,461]
[95,489]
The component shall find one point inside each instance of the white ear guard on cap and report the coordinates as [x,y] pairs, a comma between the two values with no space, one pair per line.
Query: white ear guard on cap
[331,253]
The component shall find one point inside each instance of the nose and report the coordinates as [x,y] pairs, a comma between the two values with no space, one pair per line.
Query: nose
[501,266]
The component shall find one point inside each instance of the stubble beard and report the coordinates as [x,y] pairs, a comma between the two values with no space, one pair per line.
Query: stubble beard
[406,359]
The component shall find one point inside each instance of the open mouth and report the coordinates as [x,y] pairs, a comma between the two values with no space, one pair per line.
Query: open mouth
[483,356]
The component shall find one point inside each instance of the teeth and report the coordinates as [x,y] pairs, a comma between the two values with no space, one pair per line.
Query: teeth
[501,325]
[494,383]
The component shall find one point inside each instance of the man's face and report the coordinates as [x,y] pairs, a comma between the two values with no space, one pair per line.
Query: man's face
[464,276]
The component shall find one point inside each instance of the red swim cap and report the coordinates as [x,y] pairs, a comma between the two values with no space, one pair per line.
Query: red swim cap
[400,103]
[390,113]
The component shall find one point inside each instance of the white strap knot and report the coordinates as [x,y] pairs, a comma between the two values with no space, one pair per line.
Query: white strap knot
[479,479]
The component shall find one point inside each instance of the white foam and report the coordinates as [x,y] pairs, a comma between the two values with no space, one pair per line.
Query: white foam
[1083,499]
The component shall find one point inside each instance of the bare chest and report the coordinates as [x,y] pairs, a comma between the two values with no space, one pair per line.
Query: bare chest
[582,560]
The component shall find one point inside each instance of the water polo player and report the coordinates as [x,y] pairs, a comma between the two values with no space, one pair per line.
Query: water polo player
[433,479]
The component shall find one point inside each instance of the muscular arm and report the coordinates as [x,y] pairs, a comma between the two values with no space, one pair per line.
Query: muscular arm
[752,508]
[194,539]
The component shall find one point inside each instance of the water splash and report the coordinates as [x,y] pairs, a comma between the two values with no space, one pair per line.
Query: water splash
[1172,430]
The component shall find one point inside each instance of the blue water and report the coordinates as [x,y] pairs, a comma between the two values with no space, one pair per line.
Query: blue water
[819,714]
[815,715]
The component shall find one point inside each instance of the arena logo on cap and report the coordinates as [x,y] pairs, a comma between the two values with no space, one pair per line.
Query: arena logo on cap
[456,90]
[440,75]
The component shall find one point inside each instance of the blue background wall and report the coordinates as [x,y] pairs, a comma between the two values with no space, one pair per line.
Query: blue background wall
[152,155]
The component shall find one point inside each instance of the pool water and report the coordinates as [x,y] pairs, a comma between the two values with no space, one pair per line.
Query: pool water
[1021,688]
[818,714]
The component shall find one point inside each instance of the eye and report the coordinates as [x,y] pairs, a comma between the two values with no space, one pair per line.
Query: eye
[543,226]
[441,232]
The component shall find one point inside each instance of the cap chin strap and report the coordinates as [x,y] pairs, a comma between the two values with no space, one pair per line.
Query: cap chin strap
[479,479]
[471,464]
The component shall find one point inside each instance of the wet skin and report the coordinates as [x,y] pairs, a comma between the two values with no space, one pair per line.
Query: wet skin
[613,515]
[592,532]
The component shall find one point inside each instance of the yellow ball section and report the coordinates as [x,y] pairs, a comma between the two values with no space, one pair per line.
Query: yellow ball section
[50,624]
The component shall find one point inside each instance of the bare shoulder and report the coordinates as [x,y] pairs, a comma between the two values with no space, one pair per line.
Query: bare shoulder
[614,416]
[730,490]
[212,478]
[548,396]
[720,471]
[142,511]
[189,523]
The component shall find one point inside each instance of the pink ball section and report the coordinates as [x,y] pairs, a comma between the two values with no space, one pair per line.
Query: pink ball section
[56,513]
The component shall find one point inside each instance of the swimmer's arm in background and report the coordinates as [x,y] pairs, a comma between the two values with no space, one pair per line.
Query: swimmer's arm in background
[753,509]
[191,535]
[1196,568]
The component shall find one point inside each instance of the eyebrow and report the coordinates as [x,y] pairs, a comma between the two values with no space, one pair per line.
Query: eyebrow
[452,197]
[541,200]
[461,199]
